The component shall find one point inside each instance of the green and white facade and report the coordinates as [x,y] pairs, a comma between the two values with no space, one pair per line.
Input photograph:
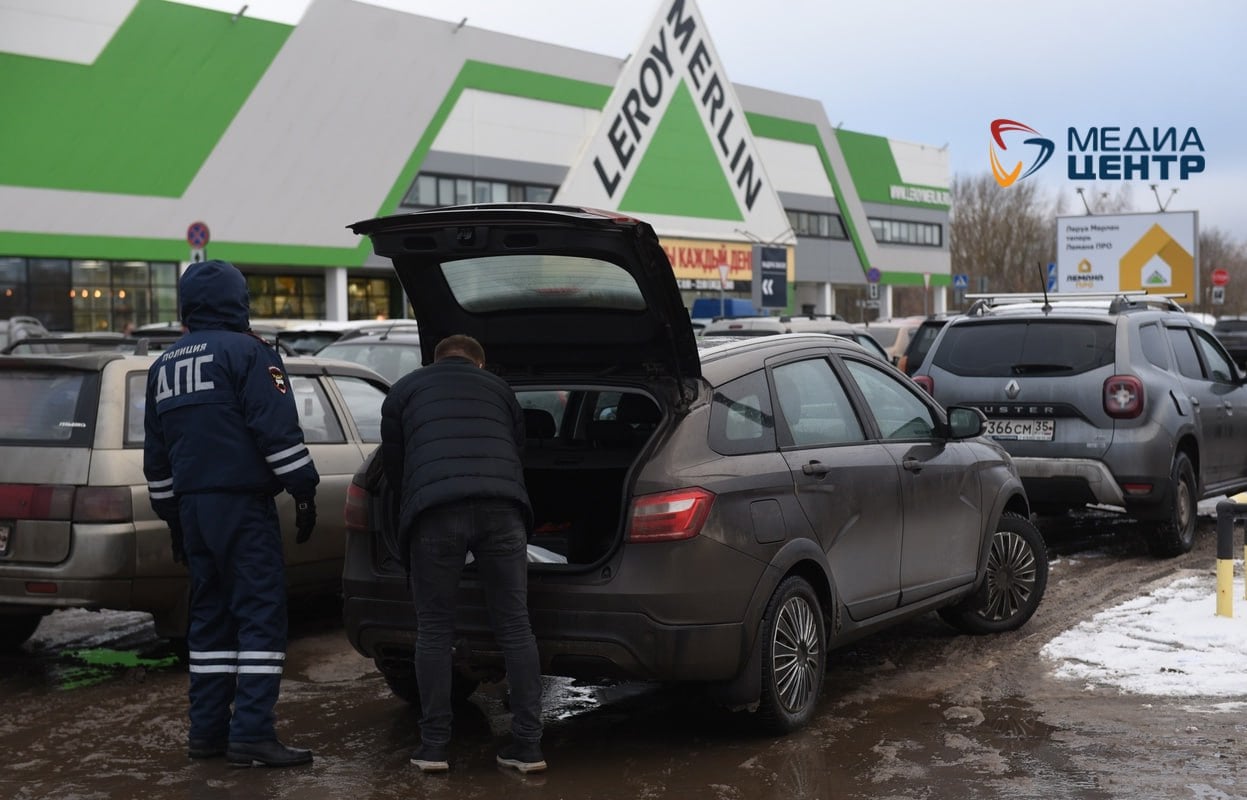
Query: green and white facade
[125,121]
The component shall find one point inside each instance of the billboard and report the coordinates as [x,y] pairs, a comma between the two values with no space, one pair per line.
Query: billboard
[1123,252]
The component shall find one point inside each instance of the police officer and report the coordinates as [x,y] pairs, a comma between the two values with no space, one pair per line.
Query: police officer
[222,440]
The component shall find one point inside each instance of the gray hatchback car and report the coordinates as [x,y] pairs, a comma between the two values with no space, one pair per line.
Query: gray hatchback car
[723,516]
[1118,400]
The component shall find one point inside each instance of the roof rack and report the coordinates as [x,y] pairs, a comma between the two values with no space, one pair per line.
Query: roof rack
[1118,301]
[791,317]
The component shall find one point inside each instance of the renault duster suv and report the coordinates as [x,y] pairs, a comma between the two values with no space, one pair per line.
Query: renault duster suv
[1118,400]
[722,516]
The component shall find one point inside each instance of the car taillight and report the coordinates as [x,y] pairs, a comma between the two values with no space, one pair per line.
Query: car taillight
[926,382]
[29,501]
[1123,397]
[669,516]
[103,504]
[356,509]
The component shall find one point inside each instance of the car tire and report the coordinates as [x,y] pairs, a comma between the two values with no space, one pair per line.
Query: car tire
[1175,534]
[794,656]
[15,629]
[402,682]
[1017,574]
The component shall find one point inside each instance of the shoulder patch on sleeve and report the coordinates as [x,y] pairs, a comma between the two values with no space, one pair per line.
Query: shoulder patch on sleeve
[279,378]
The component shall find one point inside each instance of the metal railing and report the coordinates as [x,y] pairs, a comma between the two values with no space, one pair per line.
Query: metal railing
[1229,514]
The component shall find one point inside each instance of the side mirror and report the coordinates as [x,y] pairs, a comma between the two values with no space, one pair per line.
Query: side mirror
[965,422]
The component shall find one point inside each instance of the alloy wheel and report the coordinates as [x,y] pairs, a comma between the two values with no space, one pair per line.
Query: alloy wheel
[1011,575]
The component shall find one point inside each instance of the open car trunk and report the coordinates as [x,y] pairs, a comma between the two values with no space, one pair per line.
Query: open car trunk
[578,456]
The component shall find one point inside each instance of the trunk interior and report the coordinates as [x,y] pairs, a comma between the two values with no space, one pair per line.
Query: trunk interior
[580,446]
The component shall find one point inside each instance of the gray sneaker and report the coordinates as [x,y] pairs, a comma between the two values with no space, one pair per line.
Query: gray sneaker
[522,756]
[430,759]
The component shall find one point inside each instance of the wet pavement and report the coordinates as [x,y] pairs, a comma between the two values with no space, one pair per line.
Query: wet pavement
[95,707]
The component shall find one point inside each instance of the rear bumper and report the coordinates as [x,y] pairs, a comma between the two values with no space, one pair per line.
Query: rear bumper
[1072,481]
[673,611]
[578,644]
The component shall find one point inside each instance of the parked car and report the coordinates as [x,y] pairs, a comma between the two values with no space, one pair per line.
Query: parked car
[722,516]
[392,351]
[892,334]
[1119,400]
[15,329]
[1232,333]
[769,326]
[920,340]
[76,526]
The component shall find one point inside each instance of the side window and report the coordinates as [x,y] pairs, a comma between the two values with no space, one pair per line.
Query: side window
[363,403]
[1220,368]
[552,401]
[136,406]
[604,406]
[1154,349]
[320,425]
[899,412]
[815,407]
[741,420]
[1184,351]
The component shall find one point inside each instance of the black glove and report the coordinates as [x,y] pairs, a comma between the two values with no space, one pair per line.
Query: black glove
[304,519]
[175,539]
[167,509]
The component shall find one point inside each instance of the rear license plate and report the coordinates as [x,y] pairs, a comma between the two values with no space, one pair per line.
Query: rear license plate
[6,533]
[1040,430]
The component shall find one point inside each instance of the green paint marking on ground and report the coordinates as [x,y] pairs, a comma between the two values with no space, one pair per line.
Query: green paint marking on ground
[102,664]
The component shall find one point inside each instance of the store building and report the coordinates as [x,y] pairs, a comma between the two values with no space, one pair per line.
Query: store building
[140,126]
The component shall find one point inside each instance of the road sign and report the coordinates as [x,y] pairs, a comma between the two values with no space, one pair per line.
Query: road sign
[1218,295]
[197,235]
[770,277]
[1220,277]
[724,271]
[197,255]
[961,281]
[873,275]
[1052,277]
[872,291]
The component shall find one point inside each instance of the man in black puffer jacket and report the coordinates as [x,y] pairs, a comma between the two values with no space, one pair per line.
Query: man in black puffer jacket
[451,435]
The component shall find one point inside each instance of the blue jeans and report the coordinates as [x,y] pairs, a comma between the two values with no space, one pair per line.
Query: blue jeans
[494,531]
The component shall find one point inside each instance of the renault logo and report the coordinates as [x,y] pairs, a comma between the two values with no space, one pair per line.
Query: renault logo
[1012,389]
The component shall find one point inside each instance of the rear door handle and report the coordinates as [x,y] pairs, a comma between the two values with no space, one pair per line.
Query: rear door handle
[912,464]
[816,468]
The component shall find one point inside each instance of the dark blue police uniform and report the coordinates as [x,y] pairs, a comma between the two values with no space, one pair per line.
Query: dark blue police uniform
[222,439]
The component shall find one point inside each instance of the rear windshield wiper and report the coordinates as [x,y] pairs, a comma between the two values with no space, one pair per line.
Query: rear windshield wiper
[1035,369]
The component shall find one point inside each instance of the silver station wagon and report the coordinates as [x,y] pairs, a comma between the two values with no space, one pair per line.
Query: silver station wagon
[76,527]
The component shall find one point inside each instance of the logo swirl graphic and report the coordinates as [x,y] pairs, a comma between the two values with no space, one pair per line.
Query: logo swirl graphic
[1009,177]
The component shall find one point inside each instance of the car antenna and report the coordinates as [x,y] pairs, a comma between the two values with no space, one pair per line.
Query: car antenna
[1043,284]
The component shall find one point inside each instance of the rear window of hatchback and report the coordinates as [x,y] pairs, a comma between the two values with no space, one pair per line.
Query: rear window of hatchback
[48,407]
[1018,348]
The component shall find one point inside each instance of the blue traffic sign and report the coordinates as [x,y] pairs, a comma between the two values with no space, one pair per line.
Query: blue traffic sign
[961,281]
[873,275]
[197,235]
[1052,277]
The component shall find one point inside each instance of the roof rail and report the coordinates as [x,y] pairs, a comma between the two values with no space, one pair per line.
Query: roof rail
[1117,300]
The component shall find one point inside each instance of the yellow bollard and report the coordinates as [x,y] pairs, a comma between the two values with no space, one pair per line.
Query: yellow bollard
[1225,587]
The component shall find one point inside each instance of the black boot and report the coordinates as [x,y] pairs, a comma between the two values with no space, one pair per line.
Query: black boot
[205,748]
[266,754]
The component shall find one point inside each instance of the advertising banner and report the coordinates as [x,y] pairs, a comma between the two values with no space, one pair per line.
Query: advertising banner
[1125,252]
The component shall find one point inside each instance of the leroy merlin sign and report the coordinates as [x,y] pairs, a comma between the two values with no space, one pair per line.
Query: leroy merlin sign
[674,144]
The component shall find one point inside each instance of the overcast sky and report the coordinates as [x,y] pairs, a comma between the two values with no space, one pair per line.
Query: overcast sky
[939,72]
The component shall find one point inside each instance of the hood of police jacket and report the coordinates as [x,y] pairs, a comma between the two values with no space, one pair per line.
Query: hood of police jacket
[214,296]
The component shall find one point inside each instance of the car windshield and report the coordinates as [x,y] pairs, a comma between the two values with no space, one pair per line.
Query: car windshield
[1015,348]
[497,283]
[46,407]
[1230,326]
